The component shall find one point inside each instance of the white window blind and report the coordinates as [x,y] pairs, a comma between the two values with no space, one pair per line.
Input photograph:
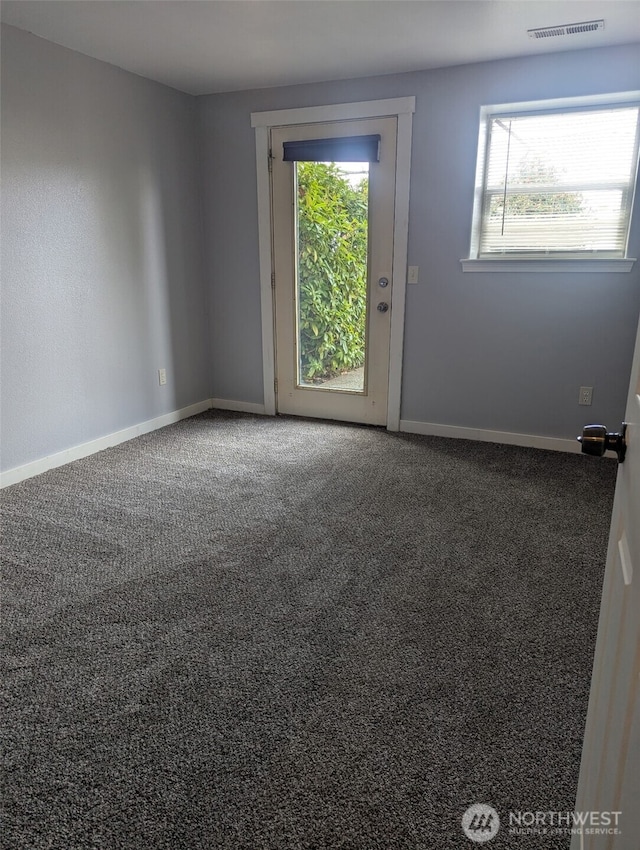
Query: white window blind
[558,183]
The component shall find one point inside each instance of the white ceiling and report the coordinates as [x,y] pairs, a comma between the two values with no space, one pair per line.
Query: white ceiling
[205,46]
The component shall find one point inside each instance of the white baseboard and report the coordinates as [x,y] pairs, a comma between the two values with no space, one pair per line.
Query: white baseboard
[28,470]
[240,406]
[556,444]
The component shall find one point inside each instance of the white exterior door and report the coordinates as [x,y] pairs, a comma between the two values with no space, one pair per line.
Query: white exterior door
[610,769]
[355,394]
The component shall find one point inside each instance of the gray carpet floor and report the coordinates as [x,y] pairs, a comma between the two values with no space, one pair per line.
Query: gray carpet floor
[245,632]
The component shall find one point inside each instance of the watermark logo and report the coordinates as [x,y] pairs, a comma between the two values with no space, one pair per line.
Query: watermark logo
[480,822]
[564,823]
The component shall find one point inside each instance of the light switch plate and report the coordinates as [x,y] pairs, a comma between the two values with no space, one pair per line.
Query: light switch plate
[412,276]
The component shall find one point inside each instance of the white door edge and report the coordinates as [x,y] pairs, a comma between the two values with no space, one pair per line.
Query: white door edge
[403,108]
[400,247]
[266,265]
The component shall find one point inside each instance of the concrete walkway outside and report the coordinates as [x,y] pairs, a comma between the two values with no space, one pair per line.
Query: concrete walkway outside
[353,380]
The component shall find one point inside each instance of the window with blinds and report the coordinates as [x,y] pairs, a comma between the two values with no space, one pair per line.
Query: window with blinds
[557,183]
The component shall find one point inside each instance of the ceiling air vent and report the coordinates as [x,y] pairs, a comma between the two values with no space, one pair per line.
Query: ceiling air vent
[566,29]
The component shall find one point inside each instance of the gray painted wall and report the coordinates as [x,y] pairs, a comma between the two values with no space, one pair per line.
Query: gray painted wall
[105,176]
[102,279]
[504,351]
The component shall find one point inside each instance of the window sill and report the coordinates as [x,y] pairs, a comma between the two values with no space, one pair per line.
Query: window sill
[542,265]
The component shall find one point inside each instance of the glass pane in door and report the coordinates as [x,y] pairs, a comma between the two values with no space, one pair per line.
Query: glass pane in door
[332,227]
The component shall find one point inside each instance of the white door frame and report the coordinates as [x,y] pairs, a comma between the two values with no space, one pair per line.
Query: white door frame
[263,122]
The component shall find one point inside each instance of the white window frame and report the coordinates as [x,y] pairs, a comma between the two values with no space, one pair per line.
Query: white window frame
[538,264]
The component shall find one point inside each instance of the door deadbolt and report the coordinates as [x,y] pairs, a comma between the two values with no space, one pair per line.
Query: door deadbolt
[384,281]
[595,440]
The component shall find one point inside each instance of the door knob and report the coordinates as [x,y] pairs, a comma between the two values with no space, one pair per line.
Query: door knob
[595,440]
[383,307]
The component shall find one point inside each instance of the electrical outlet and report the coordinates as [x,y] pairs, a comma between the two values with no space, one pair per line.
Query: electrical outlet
[586,394]
[412,276]
[162,377]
